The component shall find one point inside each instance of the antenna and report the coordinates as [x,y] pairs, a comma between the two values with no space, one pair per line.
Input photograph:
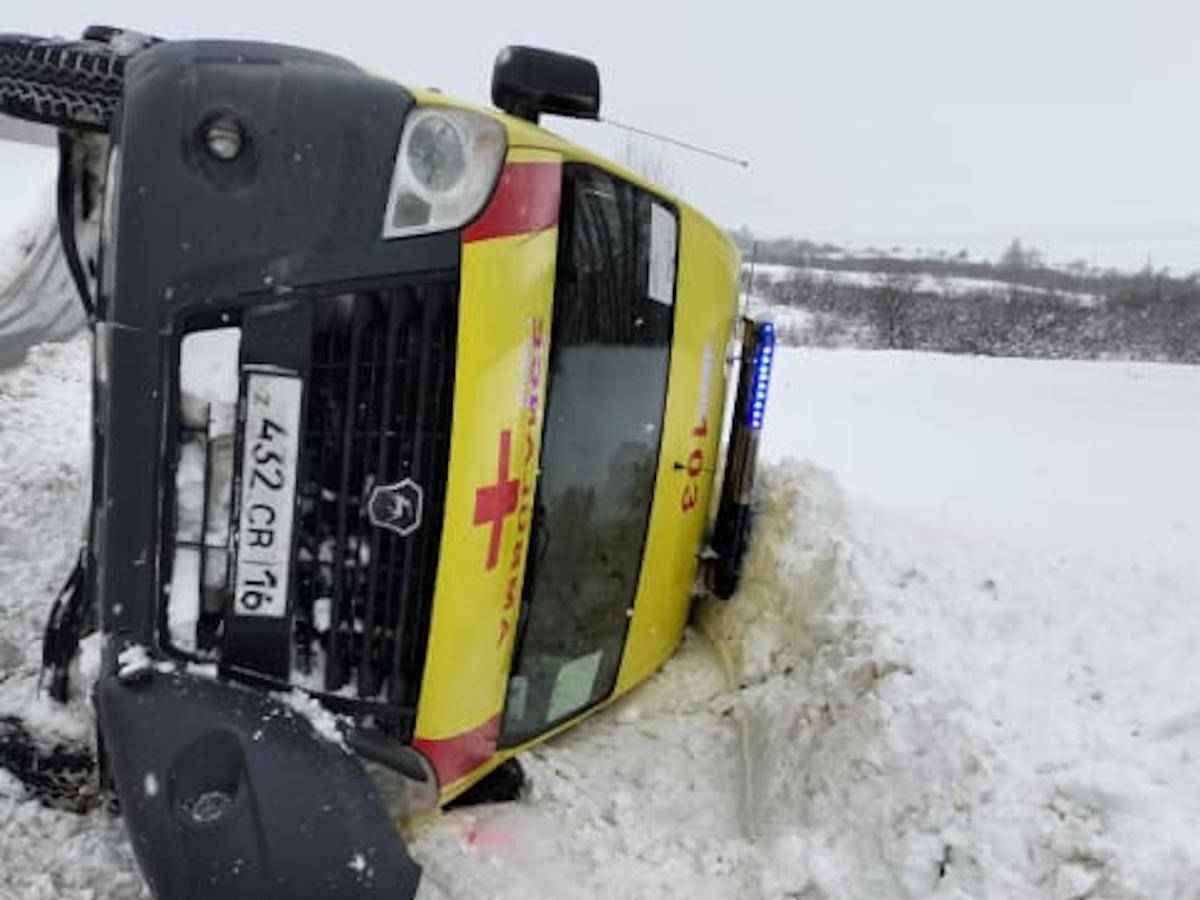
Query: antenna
[750,278]
[724,157]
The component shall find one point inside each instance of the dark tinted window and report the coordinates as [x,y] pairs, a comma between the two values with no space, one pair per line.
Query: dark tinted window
[609,354]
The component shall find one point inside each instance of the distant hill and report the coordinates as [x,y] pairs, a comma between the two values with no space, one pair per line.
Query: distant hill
[827,295]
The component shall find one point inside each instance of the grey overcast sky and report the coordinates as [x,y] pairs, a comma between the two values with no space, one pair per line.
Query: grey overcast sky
[934,120]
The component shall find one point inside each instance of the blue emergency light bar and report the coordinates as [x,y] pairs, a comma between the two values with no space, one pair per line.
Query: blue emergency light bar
[763,355]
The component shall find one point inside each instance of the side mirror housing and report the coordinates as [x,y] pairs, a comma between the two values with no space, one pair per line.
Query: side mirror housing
[529,81]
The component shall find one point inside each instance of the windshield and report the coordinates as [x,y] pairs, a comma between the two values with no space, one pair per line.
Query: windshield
[610,349]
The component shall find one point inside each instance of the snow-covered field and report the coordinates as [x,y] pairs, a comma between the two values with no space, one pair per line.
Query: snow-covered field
[1125,246]
[961,665]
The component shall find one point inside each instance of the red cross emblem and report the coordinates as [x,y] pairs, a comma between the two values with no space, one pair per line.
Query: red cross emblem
[494,503]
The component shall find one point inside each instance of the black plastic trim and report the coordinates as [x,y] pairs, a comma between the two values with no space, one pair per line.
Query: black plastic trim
[229,793]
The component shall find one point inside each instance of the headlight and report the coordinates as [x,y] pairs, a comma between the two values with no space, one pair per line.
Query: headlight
[436,155]
[447,165]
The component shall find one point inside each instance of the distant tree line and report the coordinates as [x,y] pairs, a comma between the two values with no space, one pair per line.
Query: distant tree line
[1076,311]
[1147,316]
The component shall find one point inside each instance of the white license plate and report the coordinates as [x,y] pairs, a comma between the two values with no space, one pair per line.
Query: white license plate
[269,458]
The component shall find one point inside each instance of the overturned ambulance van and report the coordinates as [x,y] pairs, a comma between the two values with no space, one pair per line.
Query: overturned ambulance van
[405,410]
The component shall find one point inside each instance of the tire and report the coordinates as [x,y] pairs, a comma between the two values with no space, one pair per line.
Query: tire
[67,84]
[727,568]
[502,785]
[726,579]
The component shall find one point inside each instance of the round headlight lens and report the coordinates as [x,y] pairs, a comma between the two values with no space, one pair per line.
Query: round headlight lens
[436,154]
[447,166]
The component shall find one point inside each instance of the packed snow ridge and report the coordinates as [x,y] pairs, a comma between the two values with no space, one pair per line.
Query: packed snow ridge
[960,664]
[37,297]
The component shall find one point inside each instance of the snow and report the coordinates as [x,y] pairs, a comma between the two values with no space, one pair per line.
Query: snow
[208,386]
[48,854]
[27,179]
[37,296]
[772,272]
[134,663]
[43,452]
[961,663]
[324,723]
[183,600]
[208,375]
[1123,246]
[791,323]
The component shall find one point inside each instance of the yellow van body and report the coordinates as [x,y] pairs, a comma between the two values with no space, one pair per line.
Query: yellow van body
[506,315]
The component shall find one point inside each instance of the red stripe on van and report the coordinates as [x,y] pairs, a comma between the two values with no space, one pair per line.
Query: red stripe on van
[454,757]
[526,200]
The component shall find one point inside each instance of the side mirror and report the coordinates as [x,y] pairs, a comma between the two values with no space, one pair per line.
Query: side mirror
[528,81]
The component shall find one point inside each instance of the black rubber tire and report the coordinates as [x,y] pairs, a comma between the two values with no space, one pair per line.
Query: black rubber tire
[727,568]
[67,84]
[727,575]
[726,579]
[502,785]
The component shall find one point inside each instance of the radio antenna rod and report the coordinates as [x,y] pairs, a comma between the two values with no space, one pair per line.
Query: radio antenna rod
[744,163]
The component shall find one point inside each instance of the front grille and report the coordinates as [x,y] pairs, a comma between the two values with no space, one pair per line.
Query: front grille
[378,369]
[379,394]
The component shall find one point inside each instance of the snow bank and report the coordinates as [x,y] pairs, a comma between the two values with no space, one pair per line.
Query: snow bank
[52,855]
[44,445]
[945,682]
[38,301]
[48,854]
[961,664]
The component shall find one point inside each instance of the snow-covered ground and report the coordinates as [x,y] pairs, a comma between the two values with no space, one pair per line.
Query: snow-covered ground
[961,664]
[37,296]
[792,324]
[27,176]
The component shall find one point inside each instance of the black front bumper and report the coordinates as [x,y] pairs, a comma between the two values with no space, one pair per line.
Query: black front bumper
[231,793]
[227,791]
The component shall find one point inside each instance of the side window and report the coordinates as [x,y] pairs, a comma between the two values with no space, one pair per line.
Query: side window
[610,350]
